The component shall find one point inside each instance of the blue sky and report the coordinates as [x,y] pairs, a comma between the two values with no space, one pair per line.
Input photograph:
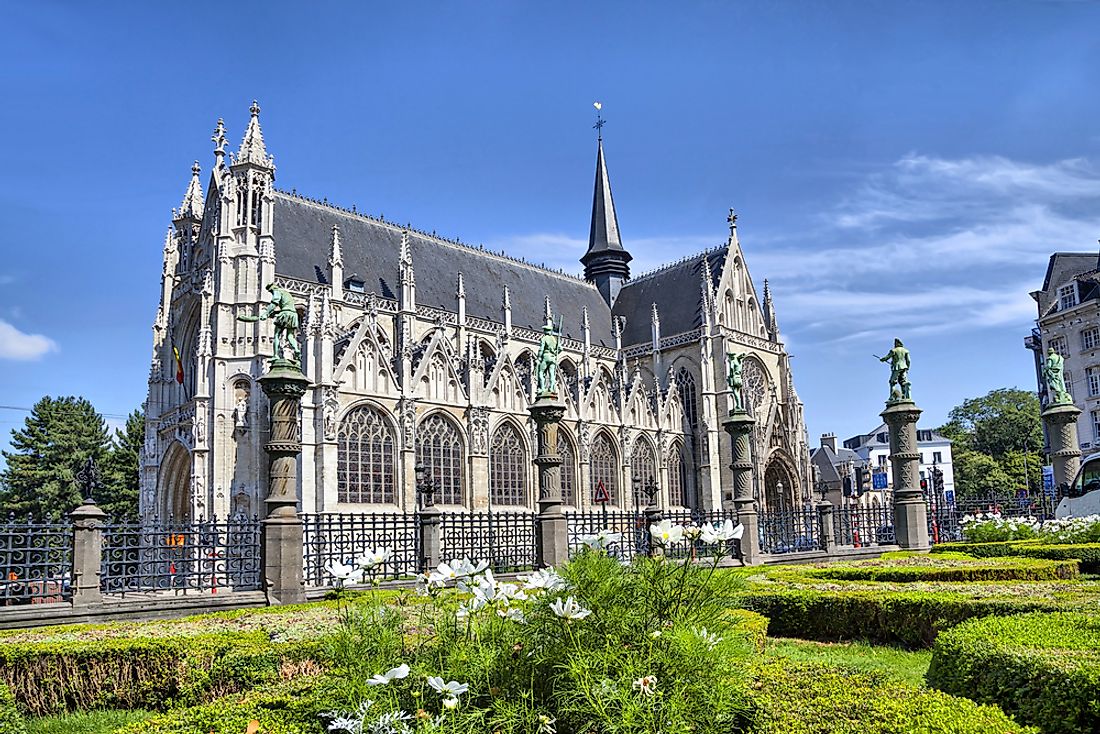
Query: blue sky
[899,168]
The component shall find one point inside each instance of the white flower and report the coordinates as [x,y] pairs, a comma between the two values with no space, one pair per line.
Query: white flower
[717,533]
[546,725]
[372,558]
[569,609]
[513,614]
[346,723]
[601,539]
[450,688]
[709,639]
[647,684]
[466,567]
[401,671]
[343,573]
[693,531]
[665,532]
[545,579]
[450,702]
[428,583]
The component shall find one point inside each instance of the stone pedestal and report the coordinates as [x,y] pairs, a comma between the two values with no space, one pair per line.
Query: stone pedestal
[825,526]
[88,522]
[551,530]
[910,510]
[431,526]
[1065,451]
[739,425]
[281,532]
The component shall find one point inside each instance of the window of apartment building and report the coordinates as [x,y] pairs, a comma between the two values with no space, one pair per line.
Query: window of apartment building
[1095,426]
[1090,338]
[1058,344]
[1067,296]
[1092,378]
[882,459]
[937,457]
[1068,376]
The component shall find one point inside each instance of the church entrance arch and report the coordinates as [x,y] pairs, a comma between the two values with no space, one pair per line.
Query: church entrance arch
[174,484]
[780,485]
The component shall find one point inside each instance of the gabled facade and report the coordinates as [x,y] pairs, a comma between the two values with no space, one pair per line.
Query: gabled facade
[421,349]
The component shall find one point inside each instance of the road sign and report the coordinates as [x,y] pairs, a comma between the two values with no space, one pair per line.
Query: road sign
[601,495]
[878,480]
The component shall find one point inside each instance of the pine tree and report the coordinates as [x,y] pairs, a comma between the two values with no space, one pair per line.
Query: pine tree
[55,441]
[118,496]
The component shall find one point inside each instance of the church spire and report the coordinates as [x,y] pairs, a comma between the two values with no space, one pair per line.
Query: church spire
[191,208]
[253,149]
[605,262]
[769,314]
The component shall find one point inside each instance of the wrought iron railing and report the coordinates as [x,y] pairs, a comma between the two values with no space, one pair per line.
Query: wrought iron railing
[36,561]
[181,557]
[790,530]
[505,539]
[344,537]
[630,526]
[863,526]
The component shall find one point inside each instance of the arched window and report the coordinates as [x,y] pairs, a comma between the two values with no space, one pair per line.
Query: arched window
[604,466]
[365,471]
[507,467]
[439,449]
[677,475]
[643,467]
[568,470]
[690,398]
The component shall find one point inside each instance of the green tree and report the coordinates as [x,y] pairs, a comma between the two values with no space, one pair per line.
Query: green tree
[118,496]
[978,475]
[56,439]
[1002,420]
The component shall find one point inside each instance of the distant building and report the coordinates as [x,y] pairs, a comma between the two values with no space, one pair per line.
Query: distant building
[836,472]
[1069,320]
[935,453]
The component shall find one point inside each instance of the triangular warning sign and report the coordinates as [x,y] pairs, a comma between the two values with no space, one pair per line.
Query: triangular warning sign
[601,496]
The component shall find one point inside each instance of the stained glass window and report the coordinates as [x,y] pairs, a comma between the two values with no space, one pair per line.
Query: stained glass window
[439,449]
[507,467]
[604,466]
[366,463]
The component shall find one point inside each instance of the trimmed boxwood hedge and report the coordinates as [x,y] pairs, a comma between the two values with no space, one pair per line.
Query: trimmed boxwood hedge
[801,698]
[1043,669]
[1087,553]
[11,721]
[911,619]
[980,550]
[956,570]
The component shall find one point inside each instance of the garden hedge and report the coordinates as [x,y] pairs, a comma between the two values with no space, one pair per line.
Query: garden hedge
[1044,669]
[954,570]
[801,698]
[11,721]
[979,550]
[1087,553]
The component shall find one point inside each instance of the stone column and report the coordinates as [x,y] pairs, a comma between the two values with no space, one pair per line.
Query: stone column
[88,522]
[281,531]
[825,526]
[910,510]
[430,520]
[551,531]
[739,425]
[653,515]
[1065,451]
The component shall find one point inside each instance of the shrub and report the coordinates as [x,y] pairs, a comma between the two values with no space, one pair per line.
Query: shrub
[980,550]
[11,721]
[800,698]
[1087,553]
[949,569]
[1072,530]
[991,527]
[1043,669]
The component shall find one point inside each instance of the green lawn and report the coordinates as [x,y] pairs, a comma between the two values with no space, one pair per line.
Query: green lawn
[90,722]
[904,665]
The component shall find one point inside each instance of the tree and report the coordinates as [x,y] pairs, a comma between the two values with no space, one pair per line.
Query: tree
[56,439]
[977,475]
[1000,421]
[119,495]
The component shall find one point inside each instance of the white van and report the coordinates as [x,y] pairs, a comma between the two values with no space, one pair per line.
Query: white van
[1083,496]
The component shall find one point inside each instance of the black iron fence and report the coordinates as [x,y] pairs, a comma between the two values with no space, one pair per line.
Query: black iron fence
[627,526]
[182,557]
[329,538]
[790,530]
[36,561]
[505,539]
[863,526]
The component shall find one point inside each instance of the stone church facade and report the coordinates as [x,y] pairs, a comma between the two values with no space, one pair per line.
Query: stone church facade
[421,349]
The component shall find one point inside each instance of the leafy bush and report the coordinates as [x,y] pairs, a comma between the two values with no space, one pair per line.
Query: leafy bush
[948,569]
[1044,669]
[991,528]
[1072,530]
[980,550]
[800,698]
[1087,553]
[11,721]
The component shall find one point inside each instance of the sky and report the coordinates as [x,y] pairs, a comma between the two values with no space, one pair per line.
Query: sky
[899,168]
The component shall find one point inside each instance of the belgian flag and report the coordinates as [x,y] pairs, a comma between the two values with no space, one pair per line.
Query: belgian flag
[179,364]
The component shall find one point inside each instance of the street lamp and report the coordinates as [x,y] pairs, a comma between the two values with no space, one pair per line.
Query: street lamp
[425,487]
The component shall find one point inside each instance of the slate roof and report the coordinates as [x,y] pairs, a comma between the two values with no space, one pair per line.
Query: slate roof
[603,235]
[827,461]
[1062,268]
[303,239]
[677,291]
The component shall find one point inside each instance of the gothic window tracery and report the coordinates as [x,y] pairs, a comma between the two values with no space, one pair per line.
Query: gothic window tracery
[604,466]
[439,449]
[756,385]
[677,475]
[366,465]
[643,468]
[507,467]
[568,470]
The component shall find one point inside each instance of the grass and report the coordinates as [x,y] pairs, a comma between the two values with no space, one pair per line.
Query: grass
[903,665]
[88,722]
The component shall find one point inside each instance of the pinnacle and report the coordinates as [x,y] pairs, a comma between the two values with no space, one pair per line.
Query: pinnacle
[253,149]
[192,200]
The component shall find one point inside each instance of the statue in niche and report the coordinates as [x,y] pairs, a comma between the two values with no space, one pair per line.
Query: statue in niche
[1054,376]
[735,381]
[899,360]
[282,305]
[549,349]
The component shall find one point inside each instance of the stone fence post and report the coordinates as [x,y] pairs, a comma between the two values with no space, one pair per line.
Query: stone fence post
[825,526]
[429,522]
[739,426]
[551,528]
[88,520]
[910,510]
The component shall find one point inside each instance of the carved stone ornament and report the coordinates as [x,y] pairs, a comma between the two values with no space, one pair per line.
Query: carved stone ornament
[479,430]
[584,439]
[331,410]
[406,408]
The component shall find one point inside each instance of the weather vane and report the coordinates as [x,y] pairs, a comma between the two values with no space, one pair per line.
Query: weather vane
[599,120]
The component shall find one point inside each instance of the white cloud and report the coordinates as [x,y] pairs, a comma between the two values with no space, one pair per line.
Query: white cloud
[16,345]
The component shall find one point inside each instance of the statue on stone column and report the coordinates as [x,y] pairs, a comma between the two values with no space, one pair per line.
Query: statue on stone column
[735,381]
[286,322]
[899,360]
[549,349]
[1055,378]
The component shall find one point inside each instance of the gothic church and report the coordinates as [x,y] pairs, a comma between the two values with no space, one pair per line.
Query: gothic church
[421,349]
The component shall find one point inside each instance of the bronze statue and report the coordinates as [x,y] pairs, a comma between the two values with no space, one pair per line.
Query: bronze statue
[899,360]
[735,381]
[1055,378]
[549,349]
[286,322]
